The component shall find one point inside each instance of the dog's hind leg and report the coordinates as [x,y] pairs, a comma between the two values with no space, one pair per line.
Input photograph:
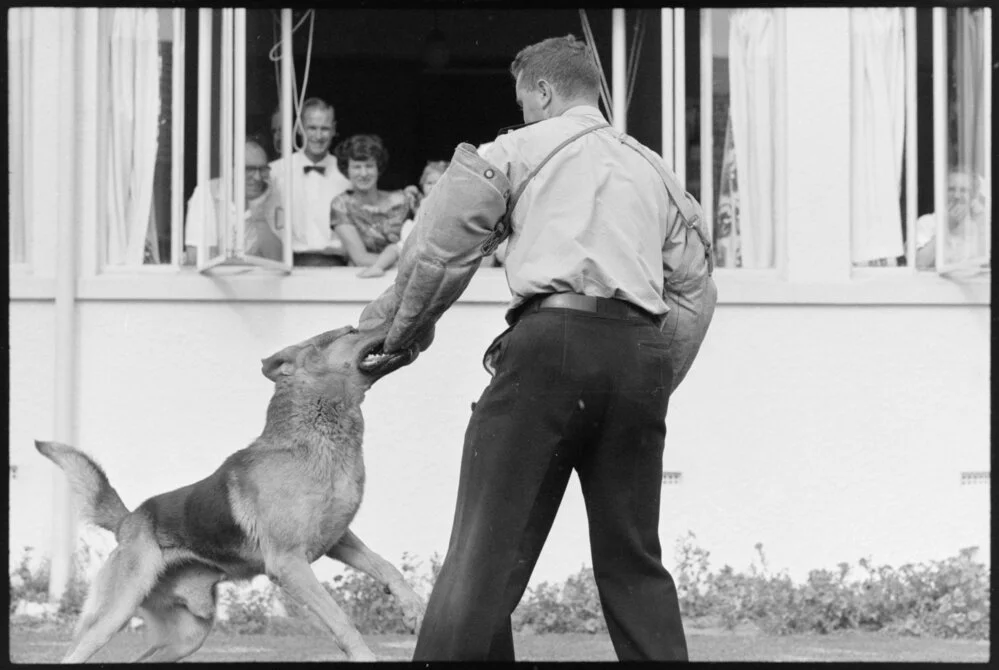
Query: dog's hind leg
[351,551]
[294,575]
[175,633]
[121,586]
[179,613]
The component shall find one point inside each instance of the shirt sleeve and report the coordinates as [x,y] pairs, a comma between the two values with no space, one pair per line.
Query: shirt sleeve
[339,215]
[498,152]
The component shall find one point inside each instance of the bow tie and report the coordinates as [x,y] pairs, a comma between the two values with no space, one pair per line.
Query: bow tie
[321,169]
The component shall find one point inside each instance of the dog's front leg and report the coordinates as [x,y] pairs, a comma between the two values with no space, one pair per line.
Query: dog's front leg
[294,575]
[356,554]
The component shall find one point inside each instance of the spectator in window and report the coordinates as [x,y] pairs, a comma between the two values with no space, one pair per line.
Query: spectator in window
[967,218]
[414,195]
[367,219]
[262,211]
[276,131]
[315,182]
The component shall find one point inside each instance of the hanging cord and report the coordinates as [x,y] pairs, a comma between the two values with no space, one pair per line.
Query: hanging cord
[275,57]
[604,90]
[633,57]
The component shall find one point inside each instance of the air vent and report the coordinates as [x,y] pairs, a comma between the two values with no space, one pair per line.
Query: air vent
[975,477]
[672,478]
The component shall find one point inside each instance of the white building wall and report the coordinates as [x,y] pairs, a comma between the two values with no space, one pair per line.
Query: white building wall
[828,416]
[827,433]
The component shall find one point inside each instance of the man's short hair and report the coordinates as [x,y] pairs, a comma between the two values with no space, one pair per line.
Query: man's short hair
[317,103]
[361,148]
[564,62]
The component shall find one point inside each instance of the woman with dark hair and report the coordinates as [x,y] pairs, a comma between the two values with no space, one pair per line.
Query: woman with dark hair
[368,220]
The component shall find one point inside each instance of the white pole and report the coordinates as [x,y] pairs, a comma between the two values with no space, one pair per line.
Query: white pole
[239,141]
[910,135]
[940,128]
[679,97]
[64,517]
[987,97]
[619,83]
[666,91]
[225,134]
[707,119]
[287,128]
[177,145]
[204,147]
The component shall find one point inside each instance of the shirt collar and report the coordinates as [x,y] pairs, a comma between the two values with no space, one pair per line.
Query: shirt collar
[584,110]
[578,110]
[305,160]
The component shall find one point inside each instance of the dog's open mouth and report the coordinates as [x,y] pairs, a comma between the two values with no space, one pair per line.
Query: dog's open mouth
[374,360]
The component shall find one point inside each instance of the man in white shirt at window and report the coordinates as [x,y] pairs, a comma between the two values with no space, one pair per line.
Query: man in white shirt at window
[967,212]
[262,218]
[315,181]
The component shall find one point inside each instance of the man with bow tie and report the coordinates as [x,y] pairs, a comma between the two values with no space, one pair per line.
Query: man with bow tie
[315,181]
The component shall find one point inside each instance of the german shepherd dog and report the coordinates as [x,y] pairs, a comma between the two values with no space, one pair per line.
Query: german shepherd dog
[272,508]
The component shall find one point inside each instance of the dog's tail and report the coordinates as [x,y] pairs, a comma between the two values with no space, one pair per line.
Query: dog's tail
[99,502]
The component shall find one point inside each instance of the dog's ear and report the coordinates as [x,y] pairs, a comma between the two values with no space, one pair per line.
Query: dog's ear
[281,363]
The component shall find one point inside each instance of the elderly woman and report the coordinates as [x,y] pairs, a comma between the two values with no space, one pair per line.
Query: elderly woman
[368,220]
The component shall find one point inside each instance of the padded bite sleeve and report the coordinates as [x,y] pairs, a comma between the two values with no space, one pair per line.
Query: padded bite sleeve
[454,229]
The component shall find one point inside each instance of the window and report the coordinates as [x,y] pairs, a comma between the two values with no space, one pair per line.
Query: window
[734,131]
[139,47]
[19,115]
[920,106]
[962,142]
[162,191]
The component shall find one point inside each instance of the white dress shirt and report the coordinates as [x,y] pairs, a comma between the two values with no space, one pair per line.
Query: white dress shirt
[312,194]
[261,220]
[592,221]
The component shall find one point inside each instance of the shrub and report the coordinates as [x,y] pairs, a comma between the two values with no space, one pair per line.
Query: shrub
[571,607]
[32,585]
[246,610]
[948,598]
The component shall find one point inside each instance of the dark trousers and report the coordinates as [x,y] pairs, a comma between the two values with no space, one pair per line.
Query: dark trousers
[572,391]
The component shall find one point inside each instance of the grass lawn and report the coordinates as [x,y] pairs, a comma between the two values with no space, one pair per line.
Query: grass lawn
[46,645]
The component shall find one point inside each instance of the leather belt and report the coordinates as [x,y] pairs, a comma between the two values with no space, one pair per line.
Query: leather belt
[611,307]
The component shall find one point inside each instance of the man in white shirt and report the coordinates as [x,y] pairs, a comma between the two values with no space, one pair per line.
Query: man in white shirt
[315,181]
[262,218]
[967,219]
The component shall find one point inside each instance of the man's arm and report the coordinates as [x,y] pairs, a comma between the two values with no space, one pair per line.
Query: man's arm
[444,249]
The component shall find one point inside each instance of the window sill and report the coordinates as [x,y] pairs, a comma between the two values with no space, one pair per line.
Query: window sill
[869,286]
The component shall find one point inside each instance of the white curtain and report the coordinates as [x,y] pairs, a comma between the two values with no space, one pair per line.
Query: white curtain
[969,104]
[19,28]
[753,85]
[878,130]
[134,102]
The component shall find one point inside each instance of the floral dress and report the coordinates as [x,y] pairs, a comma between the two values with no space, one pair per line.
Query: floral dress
[378,225]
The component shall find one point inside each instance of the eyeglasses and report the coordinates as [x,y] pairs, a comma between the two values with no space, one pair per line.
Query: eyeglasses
[262,170]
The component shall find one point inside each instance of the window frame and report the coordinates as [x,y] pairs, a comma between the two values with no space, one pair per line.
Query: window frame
[706,111]
[172,281]
[941,114]
[230,253]
[968,271]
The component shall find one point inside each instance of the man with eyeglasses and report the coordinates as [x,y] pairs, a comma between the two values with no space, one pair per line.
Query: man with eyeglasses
[262,217]
[315,181]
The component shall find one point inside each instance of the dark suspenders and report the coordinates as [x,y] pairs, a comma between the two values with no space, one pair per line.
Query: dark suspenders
[504,226]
